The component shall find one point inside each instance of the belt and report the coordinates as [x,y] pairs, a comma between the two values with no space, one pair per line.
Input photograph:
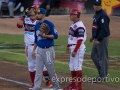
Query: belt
[45,47]
[32,44]
[71,45]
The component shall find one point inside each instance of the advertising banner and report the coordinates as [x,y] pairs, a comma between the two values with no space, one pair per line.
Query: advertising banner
[111,7]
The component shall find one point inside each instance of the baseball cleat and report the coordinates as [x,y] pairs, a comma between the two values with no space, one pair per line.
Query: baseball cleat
[31,87]
[49,84]
[69,87]
[77,88]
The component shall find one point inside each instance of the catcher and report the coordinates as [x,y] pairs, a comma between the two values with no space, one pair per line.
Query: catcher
[44,34]
[28,22]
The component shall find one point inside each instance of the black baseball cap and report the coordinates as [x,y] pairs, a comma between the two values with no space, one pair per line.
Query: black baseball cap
[97,2]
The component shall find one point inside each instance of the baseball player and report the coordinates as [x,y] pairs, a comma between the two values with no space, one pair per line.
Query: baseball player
[76,48]
[45,52]
[29,25]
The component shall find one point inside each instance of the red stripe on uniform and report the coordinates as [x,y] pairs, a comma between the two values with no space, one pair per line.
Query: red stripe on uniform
[26,51]
[30,30]
[30,24]
[94,26]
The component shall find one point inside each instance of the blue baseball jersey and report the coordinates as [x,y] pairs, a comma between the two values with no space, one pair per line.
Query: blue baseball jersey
[45,42]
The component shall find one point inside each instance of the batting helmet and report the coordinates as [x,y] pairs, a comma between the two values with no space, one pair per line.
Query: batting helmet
[32,7]
[75,12]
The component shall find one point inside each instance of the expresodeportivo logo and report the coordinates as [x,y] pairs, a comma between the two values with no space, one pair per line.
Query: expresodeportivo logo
[88,79]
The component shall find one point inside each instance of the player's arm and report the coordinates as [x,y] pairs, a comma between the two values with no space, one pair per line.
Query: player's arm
[35,43]
[54,34]
[33,52]
[20,23]
[94,30]
[80,36]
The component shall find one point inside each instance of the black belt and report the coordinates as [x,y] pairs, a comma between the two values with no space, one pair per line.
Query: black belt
[71,45]
[32,44]
[44,47]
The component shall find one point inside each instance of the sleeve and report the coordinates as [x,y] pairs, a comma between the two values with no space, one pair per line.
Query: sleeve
[20,26]
[53,31]
[103,28]
[94,27]
[78,45]
[80,33]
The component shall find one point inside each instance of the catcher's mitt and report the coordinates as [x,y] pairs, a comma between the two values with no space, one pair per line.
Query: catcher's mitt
[44,28]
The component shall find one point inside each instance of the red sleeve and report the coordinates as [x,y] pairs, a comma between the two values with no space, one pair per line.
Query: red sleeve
[77,45]
[19,26]
[22,18]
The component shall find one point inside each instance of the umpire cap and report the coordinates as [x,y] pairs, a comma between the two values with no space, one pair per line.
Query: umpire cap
[97,2]
[41,11]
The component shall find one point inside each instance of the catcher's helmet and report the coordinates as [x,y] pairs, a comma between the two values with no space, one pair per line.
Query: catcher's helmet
[74,12]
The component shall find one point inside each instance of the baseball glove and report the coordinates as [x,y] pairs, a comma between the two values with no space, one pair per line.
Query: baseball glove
[44,28]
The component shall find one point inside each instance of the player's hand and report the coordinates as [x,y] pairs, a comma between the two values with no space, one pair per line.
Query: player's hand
[91,40]
[33,55]
[43,35]
[74,54]
[67,50]
[96,42]
[48,7]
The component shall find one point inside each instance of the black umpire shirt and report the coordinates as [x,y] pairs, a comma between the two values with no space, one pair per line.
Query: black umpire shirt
[100,28]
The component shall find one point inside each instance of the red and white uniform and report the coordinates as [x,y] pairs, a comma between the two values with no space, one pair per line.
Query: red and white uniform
[29,38]
[77,32]
[29,26]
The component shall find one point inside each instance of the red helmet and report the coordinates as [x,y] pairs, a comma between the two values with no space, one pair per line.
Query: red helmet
[74,12]
[32,7]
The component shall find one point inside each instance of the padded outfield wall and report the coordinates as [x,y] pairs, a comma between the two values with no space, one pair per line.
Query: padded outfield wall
[112,7]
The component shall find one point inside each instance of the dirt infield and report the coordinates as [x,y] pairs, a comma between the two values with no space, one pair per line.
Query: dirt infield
[10,73]
[62,24]
[20,79]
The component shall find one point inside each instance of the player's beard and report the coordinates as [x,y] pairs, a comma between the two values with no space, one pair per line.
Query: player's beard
[39,18]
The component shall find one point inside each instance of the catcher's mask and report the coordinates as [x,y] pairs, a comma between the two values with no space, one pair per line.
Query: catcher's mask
[75,12]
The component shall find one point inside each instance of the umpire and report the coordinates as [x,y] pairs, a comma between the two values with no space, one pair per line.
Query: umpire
[100,35]
[48,5]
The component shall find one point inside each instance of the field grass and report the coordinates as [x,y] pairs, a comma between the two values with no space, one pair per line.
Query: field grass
[16,55]
[61,42]
[61,67]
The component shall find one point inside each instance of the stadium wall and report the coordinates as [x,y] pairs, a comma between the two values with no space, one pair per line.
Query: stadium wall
[111,7]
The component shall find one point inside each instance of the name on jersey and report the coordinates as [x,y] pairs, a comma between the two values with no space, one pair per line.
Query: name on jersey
[29,33]
[27,27]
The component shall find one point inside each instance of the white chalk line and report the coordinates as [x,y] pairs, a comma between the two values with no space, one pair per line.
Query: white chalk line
[13,81]
[55,60]
[22,83]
